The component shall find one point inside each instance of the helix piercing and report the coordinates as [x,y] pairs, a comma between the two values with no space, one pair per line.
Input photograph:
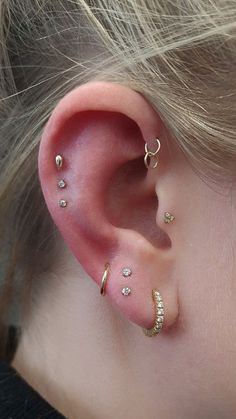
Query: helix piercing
[62,203]
[159,315]
[168,218]
[61,184]
[59,161]
[104,279]
[149,154]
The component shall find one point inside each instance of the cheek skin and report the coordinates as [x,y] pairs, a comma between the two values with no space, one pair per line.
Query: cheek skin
[205,270]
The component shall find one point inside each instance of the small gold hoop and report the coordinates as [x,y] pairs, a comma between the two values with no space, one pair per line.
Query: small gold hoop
[159,315]
[151,154]
[104,279]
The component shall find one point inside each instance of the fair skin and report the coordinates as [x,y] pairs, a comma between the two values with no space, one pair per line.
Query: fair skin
[87,354]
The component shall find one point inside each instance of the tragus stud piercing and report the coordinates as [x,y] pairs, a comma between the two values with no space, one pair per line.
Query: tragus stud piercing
[168,218]
[59,161]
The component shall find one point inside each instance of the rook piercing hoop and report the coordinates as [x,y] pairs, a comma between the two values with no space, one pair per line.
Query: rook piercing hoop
[159,315]
[153,154]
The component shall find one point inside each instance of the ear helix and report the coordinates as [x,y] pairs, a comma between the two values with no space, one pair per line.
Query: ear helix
[126,288]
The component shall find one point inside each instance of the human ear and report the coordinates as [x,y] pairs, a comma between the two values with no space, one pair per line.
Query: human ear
[107,208]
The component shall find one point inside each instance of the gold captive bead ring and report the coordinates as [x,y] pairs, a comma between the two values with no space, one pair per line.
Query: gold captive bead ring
[104,279]
[159,315]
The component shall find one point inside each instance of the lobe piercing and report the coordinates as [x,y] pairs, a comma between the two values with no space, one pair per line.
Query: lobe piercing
[104,279]
[168,218]
[126,291]
[62,203]
[59,161]
[126,272]
[61,184]
[159,315]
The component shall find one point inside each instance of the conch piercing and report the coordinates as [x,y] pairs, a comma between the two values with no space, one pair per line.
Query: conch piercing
[168,218]
[159,315]
[59,161]
[104,279]
[149,154]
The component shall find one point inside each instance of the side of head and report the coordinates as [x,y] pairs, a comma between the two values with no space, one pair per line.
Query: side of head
[94,84]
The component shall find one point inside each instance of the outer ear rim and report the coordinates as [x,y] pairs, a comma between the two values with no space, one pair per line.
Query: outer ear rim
[123,97]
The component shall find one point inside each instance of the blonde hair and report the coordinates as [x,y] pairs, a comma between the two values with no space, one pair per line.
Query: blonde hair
[180,55]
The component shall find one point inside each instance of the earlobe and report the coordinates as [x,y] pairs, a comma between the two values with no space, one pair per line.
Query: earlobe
[95,183]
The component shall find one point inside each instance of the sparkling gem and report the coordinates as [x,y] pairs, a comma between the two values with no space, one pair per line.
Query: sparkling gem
[61,184]
[126,291]
[160,311]
[160,304]
[62,203]
[160,319]
[126,272]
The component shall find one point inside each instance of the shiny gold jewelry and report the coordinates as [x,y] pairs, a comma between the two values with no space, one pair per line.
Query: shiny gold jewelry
[168,218]
[149,154]
[62,203]
[159,315]
[104,279]
[59,161]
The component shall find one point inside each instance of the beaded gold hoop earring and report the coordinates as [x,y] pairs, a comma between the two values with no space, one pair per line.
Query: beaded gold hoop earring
[159,315]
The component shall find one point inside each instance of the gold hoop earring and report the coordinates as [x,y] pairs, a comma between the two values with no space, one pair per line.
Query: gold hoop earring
[151,154]
[104,279]
[159,315]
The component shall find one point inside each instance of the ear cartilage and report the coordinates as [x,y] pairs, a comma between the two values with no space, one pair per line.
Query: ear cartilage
[59,161]
[159,315]
[62,203]
[126,272]
[168,218]
[61,184]
[126,291]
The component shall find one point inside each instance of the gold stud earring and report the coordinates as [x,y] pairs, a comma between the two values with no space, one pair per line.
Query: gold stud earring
[159,315]
[168,218]
[151,154]
[59,161]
